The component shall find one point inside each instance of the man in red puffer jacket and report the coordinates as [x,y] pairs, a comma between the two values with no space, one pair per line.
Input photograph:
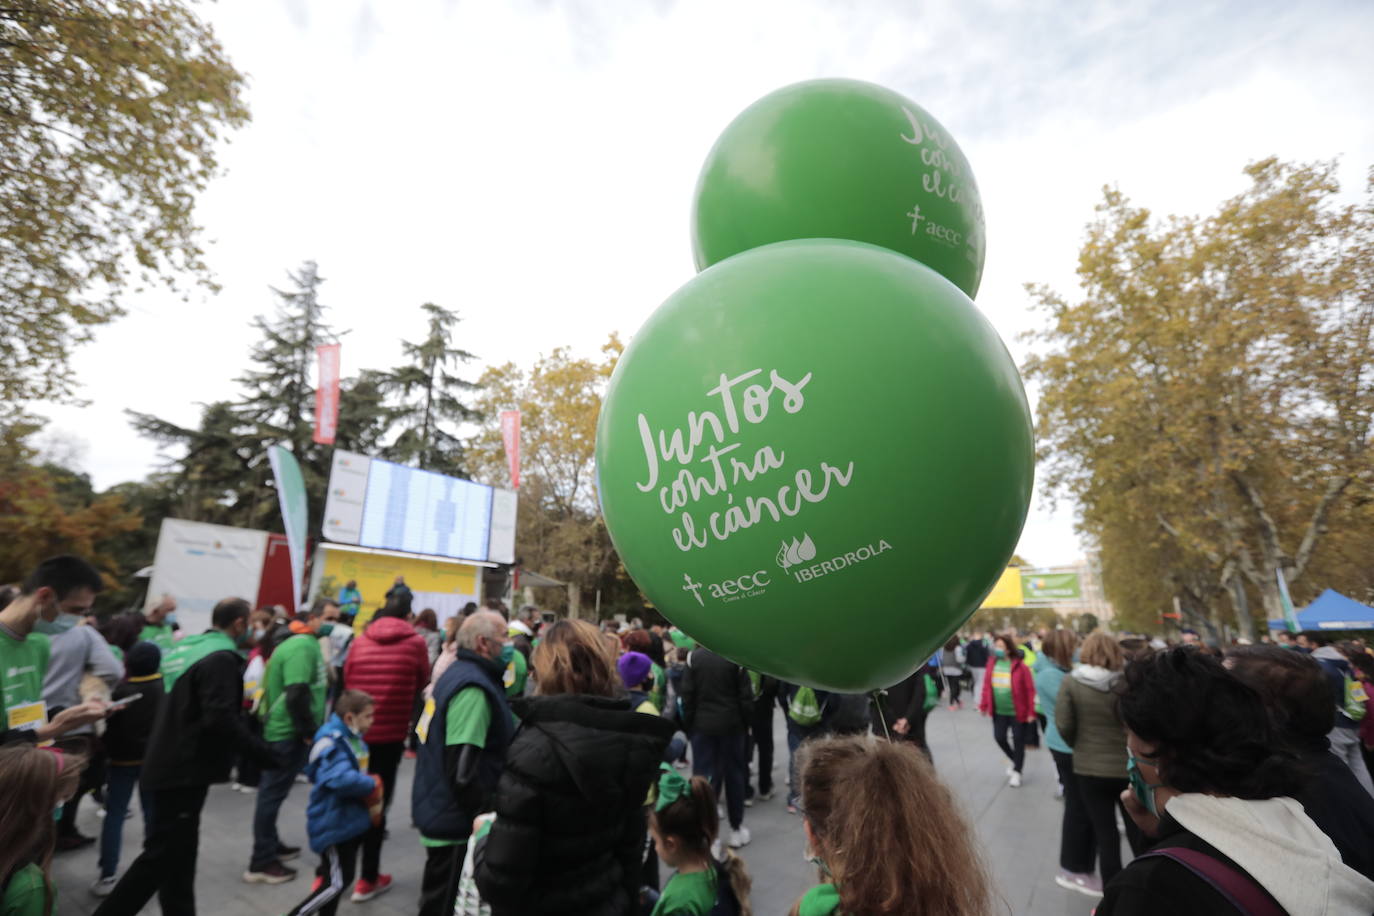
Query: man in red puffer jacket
[390,663]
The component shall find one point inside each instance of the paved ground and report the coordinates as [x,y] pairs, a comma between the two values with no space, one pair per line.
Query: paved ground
[1019,829]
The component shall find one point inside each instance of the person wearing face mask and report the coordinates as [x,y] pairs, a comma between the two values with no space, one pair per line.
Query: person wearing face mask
[885,834]
[160,624]
[1212,784]
[342,802]
[199,727]
[1009,697]
[570,828]
[64,585]
[390,662]
[465,730]
[76,650]
[293,706]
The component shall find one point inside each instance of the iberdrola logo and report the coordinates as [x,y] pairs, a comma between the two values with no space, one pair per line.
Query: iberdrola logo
[795,553]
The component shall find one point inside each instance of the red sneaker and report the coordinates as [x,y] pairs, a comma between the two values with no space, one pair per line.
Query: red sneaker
[366,890]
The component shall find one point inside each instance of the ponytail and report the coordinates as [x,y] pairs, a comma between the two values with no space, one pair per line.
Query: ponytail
[740,882]
[692,818]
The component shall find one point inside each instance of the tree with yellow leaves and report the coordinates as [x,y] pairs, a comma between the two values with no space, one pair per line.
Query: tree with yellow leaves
[559,530]
[1208,401]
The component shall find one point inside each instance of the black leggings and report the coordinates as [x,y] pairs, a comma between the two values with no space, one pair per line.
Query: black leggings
[1101,799]
[953,682]
[1016,751]
[1077,843]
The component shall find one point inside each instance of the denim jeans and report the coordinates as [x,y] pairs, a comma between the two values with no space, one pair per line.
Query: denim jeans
[122,779]
[796,734]
[272,791]
[721,760]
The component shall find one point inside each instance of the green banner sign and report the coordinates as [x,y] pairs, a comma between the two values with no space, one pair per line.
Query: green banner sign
[1050,587]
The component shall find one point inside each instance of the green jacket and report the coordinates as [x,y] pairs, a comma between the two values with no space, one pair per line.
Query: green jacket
[1085,715]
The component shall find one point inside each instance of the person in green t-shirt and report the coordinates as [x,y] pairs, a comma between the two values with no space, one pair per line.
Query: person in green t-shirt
[159,624]
[295,683]
[683,825]
[517,670]
[467,722]
[33,781]
[60,585]
[1009,697]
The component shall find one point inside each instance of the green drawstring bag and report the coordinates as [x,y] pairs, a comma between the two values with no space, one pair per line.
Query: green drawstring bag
[804,710]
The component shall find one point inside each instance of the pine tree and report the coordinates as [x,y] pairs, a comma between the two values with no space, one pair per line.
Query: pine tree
[224,476]
[430,394]
[280,399]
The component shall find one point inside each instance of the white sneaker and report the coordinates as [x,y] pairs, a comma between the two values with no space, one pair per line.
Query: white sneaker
[103,886]
[1015,780]
[1010,769]
[764,796]
[739,837]
[717,850]
[749,802]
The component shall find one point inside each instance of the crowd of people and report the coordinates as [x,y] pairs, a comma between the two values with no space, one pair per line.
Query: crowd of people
[551,761]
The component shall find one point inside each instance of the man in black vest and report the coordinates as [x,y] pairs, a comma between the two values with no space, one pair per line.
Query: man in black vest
[464,732]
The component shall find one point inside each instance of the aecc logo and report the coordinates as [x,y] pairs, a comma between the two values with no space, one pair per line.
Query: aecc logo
[728,589]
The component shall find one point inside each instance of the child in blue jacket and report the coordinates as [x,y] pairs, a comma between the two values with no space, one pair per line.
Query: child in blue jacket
[341,801]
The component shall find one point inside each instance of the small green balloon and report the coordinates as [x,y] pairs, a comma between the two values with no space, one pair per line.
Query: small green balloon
[816,459]
[841,159]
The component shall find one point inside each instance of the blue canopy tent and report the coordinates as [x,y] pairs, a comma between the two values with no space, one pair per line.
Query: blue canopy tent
[1332,611]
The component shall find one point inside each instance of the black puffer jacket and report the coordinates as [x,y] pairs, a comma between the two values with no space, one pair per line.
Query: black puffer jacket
[570,817]
[717,697]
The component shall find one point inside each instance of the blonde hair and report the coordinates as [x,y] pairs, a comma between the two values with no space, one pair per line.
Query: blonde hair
[889,831]
[1059,645]
[1101,650]
[574,657]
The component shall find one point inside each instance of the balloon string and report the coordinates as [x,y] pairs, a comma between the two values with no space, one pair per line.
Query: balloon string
[954,727]
[877,704]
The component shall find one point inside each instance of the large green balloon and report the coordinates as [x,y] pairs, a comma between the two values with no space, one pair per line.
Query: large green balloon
[841,159]
[816,458]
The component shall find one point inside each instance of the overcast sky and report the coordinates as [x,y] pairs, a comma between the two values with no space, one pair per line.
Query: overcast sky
[530,163]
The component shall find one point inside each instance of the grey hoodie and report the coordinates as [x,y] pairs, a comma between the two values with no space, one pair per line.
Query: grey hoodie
[1281,848]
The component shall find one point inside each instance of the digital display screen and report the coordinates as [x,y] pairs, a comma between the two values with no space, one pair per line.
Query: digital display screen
[375,503]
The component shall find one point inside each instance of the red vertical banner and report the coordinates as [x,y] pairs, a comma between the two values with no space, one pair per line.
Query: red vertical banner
[327,394]
[510,435]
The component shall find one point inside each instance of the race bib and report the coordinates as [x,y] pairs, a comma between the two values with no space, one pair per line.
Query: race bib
[27,717]
[422,727]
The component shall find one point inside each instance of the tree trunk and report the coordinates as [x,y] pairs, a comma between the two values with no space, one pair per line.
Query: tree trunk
[1241,603]
[574,601]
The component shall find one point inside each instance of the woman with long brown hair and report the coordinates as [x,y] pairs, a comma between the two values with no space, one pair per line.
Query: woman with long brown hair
[33,782]
[886,834]
[570,828]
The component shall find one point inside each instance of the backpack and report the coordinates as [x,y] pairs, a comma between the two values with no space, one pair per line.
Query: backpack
[1355,698]
[932,693]
[803,709]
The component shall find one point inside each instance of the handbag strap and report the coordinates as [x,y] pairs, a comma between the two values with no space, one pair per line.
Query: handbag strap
[1240,890]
